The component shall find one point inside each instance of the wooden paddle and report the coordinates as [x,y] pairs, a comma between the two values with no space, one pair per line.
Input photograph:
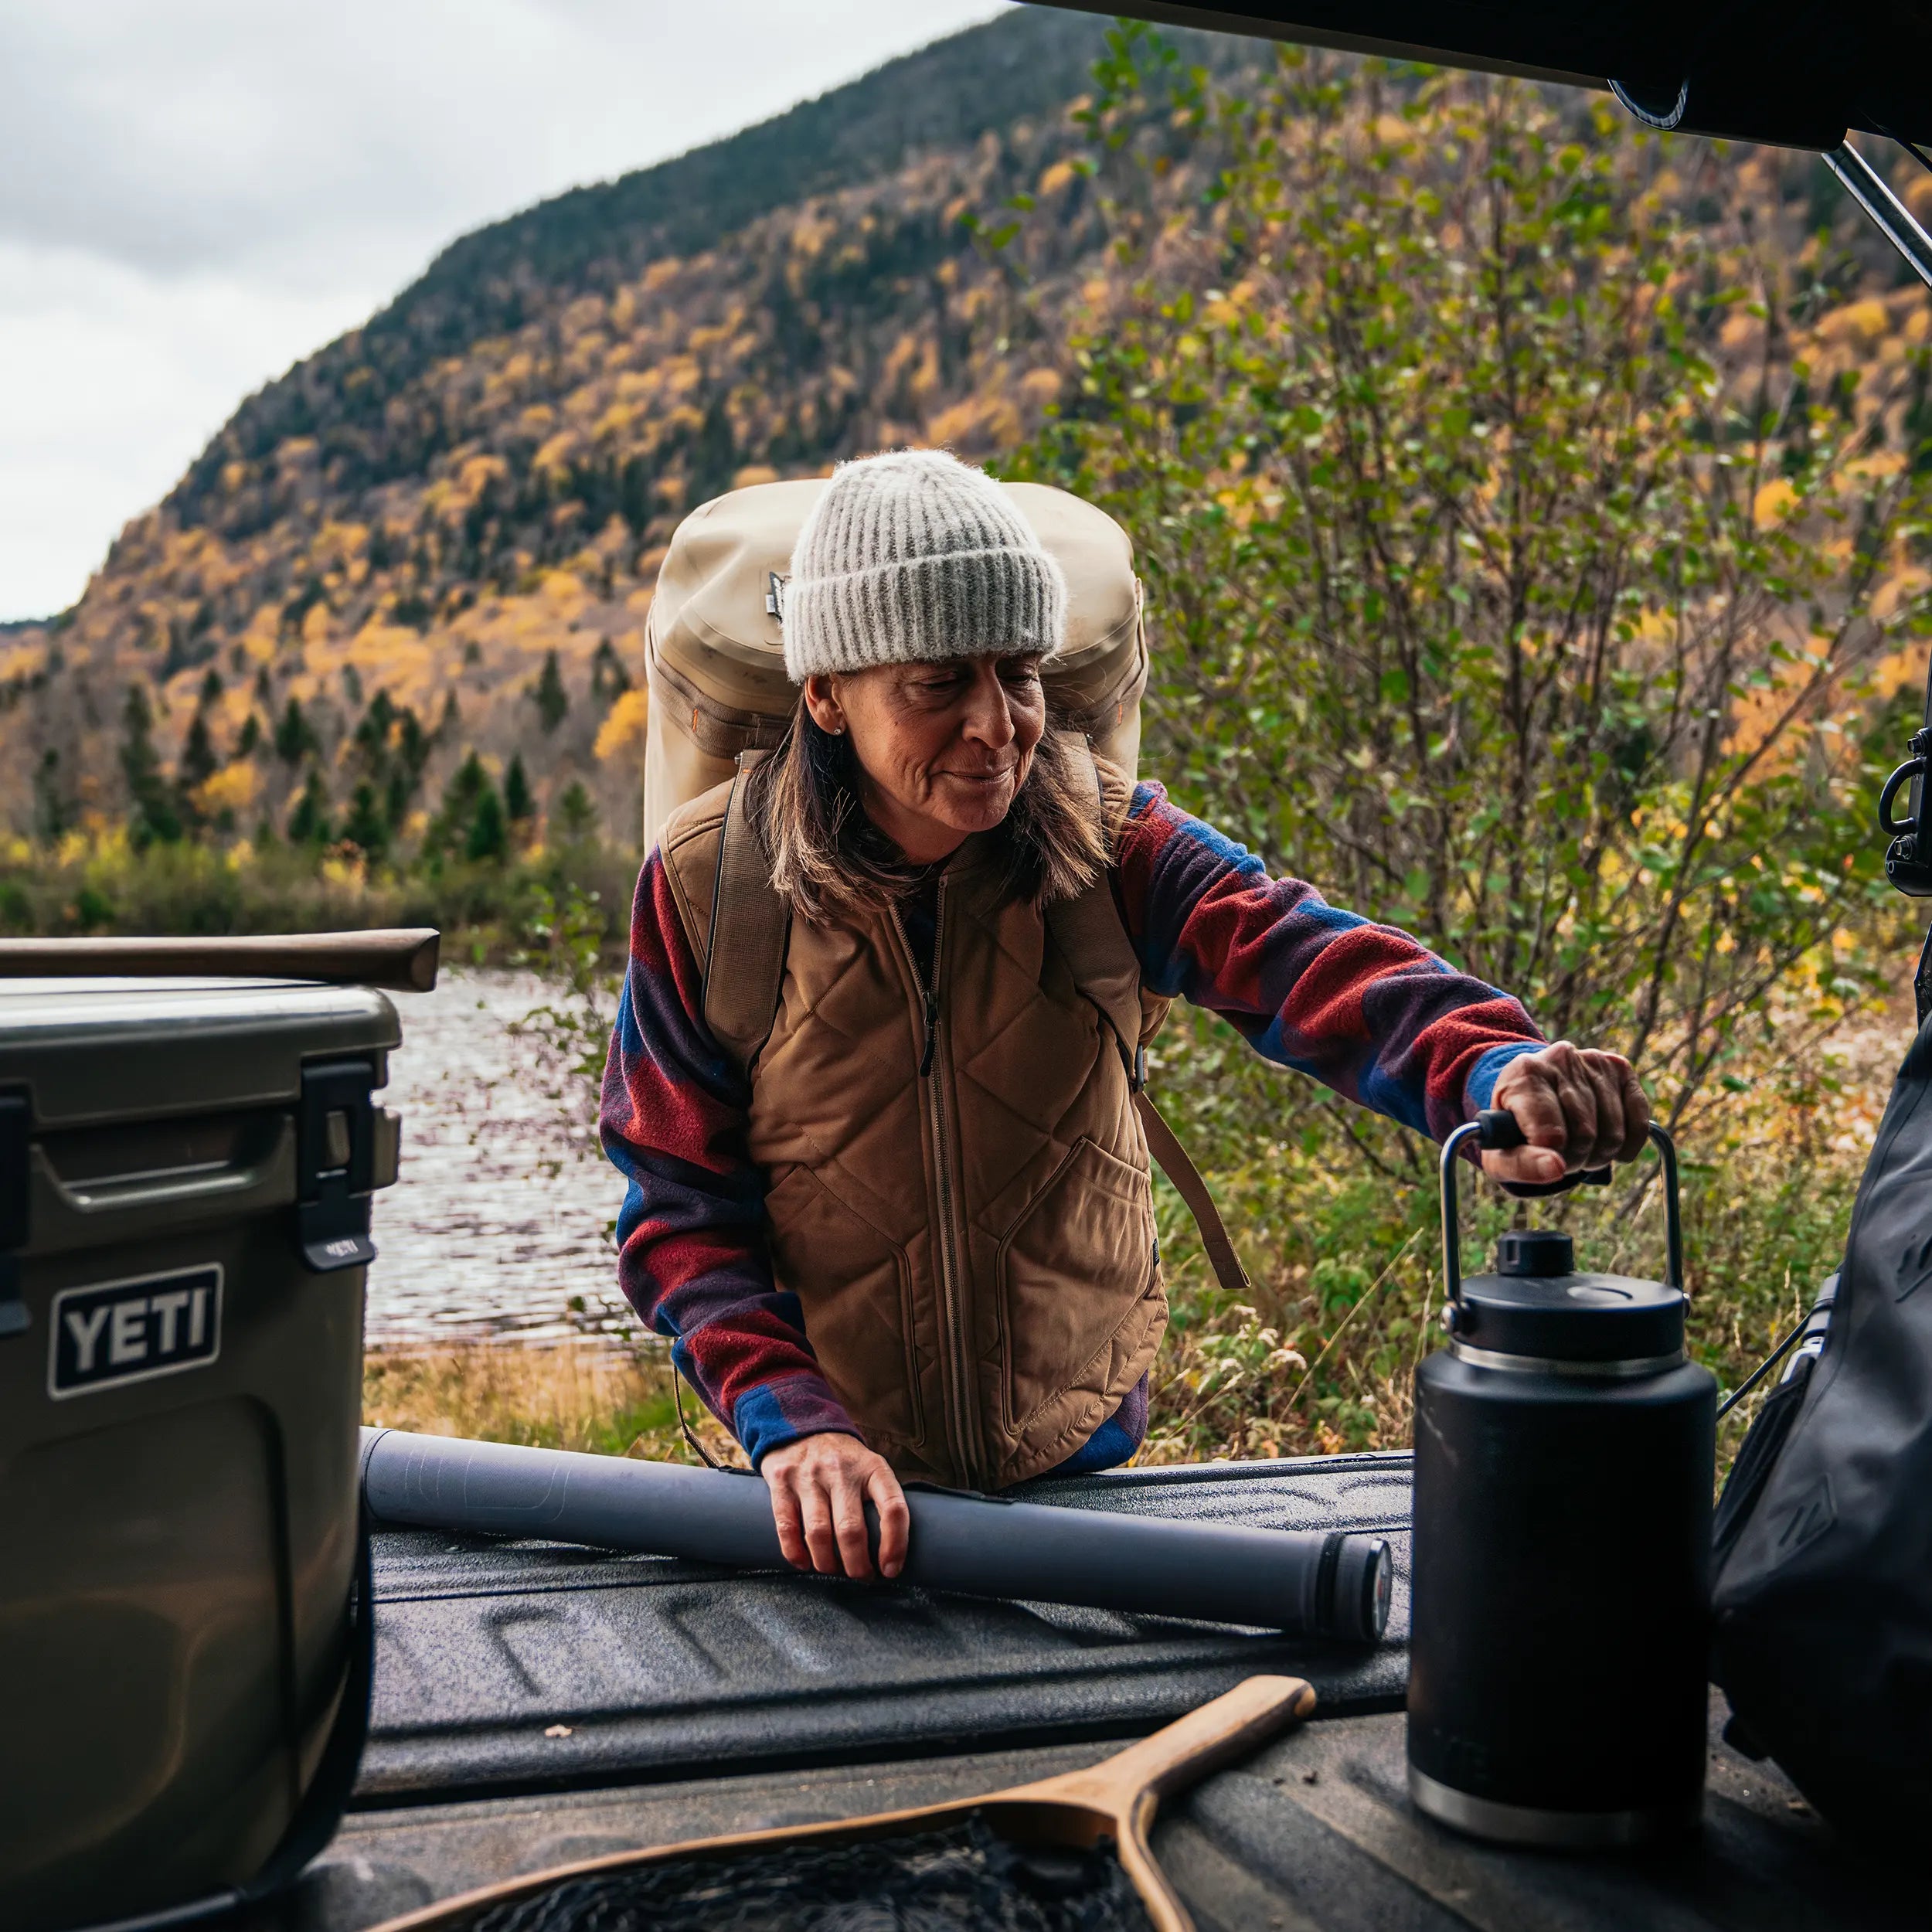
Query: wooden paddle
[1115,1800]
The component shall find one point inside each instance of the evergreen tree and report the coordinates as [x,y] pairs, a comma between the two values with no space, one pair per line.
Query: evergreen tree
[609,680]
[139,765]
[372,734]
[53,814]
[395,800]
[634,500]
[367,826]
[573,818]
[489,837]
[450,831]
[294,736]
[552,701]
[211,689]
[517,800]
[415,744]
[198,763]
[716,455]
[391,748]
[467,786]
[155,813]
[308,823]
[249,737]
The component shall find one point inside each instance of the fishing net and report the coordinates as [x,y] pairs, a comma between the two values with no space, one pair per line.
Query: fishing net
[961,1878]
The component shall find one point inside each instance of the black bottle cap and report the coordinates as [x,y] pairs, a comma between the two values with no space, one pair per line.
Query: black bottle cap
[1570,1317]
[1534,1251]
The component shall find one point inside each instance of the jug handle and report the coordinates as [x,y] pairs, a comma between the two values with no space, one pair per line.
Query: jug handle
[1496,1126]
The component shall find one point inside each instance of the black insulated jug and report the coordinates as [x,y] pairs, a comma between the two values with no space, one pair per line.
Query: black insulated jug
[1564,1457]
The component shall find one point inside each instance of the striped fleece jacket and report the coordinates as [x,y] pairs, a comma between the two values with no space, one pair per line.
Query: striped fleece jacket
[1363,1008]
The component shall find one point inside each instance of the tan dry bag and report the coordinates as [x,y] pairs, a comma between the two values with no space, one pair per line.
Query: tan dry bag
[714,654]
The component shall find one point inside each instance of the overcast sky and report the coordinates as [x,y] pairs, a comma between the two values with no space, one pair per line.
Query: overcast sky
[195,193]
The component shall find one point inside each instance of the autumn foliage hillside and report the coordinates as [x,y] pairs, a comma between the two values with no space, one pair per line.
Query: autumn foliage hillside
[438,534]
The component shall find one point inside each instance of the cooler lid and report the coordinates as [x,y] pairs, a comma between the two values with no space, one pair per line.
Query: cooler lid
[92,1051]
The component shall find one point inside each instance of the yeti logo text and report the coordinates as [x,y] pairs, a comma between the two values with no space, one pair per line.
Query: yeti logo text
[117,1331]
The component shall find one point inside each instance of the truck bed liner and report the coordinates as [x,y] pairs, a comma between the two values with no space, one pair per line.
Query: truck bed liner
[695,1703]
[659,1668]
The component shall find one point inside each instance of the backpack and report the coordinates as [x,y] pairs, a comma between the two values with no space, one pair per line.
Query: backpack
[720,700]
[1821,1633]
[1821,1624]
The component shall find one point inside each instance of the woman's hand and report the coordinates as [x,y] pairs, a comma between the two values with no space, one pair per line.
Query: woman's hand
[819,1486]
[1578,1108]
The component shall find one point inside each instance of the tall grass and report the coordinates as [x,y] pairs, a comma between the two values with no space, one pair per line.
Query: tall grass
[591,1396]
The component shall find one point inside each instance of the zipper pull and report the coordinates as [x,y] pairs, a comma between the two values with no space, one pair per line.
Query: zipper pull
[932,1035]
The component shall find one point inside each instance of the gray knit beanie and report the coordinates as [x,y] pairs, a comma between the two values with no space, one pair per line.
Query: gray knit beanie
[913,556]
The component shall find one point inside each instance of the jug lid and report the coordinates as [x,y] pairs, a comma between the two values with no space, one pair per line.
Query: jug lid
[1536,1306]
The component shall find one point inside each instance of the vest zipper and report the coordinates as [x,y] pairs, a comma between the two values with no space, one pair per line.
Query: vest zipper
[932,1033]
[961,1432]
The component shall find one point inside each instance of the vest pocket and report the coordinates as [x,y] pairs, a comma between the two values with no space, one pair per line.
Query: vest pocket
[1075,1269]
[855,1288]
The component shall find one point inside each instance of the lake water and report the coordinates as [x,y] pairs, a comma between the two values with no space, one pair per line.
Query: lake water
[503,1210]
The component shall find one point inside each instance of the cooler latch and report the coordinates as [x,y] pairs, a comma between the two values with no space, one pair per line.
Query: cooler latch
[336,1163]
[16,1125]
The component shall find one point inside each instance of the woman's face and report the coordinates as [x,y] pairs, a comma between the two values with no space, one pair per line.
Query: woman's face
[943,748]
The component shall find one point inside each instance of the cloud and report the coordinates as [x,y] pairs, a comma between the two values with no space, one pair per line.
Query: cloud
[111,380]
[197,195]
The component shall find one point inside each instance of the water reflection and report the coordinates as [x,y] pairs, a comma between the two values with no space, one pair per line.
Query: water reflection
[501,1215]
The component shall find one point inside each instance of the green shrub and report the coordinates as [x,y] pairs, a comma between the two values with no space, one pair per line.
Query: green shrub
[1514,573]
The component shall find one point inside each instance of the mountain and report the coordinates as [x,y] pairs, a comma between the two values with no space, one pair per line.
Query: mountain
[439,532]
[438,535]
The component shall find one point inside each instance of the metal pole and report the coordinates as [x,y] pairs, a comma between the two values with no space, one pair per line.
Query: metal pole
[1888,214]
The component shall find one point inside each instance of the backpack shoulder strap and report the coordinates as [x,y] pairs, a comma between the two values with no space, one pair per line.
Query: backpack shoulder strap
[744,966]
[1092,939]
[1164,1144]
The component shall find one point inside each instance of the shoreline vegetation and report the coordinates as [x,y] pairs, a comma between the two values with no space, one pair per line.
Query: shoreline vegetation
[491,910]
[1345,1301]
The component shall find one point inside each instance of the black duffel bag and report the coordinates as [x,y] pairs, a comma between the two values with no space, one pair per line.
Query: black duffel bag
[1822,1631]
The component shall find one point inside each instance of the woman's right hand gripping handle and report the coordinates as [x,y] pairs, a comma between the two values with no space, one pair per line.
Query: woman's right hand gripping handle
[819,1486]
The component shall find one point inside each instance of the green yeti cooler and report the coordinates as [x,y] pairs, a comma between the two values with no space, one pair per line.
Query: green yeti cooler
[185,1169]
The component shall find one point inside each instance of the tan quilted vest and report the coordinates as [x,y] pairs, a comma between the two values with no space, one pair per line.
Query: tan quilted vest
[973,1248]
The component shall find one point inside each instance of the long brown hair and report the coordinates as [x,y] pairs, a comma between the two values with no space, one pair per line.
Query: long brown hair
[830,860]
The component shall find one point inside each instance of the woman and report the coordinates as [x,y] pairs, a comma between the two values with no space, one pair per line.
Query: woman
[916,1239]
